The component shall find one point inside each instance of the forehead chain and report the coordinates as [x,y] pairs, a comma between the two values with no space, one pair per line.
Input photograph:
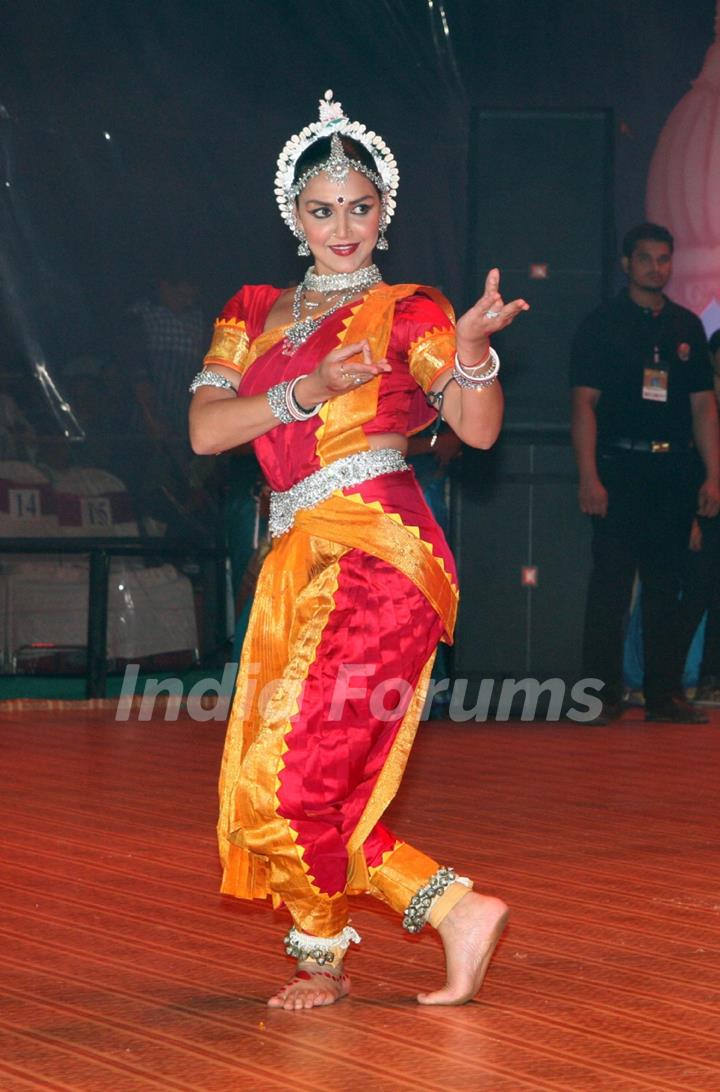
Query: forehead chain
[333,122]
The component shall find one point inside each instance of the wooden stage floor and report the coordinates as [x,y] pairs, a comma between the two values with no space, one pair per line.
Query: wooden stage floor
[123,969]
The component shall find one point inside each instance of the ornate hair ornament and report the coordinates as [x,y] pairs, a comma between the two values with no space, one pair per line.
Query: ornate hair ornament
[333,123]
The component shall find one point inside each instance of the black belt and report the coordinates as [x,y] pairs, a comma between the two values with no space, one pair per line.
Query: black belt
[655,447]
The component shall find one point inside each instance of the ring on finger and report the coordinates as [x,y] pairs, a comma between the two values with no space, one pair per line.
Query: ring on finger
[492,314]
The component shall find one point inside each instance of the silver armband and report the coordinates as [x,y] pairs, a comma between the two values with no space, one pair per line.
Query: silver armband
[209,378]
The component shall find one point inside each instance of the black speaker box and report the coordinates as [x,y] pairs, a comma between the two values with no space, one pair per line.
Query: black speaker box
[540,208]
[523,552]
[540,201]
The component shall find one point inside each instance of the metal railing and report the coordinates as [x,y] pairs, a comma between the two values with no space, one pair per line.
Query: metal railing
[101,551]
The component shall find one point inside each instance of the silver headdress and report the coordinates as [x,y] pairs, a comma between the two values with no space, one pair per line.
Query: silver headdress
[333,123]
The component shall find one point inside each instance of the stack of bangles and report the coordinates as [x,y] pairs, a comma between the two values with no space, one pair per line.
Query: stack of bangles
[468,379]
[477,376]
[285,406]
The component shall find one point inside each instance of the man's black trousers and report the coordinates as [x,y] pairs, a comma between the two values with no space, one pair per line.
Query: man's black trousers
[652,498]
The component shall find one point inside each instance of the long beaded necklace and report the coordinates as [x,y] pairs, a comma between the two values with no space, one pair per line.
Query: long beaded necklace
[329,284]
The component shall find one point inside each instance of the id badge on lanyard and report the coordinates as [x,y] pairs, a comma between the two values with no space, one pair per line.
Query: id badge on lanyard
[655,380]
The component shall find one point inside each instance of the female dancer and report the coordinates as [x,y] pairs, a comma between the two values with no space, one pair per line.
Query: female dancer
[328,380]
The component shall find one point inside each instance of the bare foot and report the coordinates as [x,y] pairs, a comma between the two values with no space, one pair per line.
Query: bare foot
[311,987]
[469,934]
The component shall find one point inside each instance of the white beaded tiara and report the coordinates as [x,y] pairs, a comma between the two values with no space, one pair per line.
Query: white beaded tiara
[333,122]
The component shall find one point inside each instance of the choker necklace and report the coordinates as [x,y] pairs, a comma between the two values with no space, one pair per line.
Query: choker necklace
[359,280]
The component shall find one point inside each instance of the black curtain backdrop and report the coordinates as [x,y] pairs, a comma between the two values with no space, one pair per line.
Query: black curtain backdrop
[141,126]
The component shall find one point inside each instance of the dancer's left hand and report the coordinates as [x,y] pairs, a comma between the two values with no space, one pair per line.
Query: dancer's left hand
[485,318]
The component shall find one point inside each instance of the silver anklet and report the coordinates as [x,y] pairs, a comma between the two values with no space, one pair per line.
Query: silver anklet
[419,906]
[320,950]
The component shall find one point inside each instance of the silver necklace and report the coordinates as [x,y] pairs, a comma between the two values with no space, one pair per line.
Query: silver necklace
[303,328]
[328,283]
[312,305]
[359,280]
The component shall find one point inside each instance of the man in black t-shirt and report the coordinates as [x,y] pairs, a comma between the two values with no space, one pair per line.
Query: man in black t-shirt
[643,410]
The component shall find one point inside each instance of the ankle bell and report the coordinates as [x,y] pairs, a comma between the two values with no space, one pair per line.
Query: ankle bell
[422,902]
[322,950]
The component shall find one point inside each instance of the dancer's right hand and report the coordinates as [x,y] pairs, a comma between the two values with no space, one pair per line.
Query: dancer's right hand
[335,374]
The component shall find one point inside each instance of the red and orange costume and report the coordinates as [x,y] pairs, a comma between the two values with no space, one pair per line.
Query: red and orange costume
[352,599]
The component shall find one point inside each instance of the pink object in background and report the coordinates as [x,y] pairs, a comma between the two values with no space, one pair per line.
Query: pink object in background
[683,190]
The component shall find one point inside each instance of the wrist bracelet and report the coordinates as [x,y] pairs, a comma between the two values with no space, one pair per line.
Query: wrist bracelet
[284,405]
[299,412]
[472,367]
[466,381]
[277,402]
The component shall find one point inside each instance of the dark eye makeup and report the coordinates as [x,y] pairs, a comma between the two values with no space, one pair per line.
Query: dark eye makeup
[321,212]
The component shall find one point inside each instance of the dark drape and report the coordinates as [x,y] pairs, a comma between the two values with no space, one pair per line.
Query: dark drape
[131,128]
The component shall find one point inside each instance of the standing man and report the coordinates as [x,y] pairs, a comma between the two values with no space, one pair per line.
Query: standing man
[643,411]
[701,590]
[161,337]
[165,335]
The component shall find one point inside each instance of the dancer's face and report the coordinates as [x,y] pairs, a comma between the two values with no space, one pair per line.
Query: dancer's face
[341,221]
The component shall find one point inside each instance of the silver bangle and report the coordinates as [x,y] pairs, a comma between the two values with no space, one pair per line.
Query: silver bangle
[209,378]
[299,413]
[467,381]
[278,402]
[474,367]
[284,405]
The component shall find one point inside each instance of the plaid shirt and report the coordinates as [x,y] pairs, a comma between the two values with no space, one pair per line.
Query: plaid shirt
[169,354]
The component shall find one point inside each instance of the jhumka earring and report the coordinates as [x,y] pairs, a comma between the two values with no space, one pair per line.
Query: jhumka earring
[303,248]
[382,243]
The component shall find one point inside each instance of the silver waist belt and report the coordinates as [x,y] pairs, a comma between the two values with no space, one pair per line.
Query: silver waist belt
[318,486]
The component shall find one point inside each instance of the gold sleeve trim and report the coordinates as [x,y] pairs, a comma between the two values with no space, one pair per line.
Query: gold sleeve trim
[229,345]
[431,354]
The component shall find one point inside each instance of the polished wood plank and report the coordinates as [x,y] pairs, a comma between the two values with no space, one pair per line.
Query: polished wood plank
[123,968]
